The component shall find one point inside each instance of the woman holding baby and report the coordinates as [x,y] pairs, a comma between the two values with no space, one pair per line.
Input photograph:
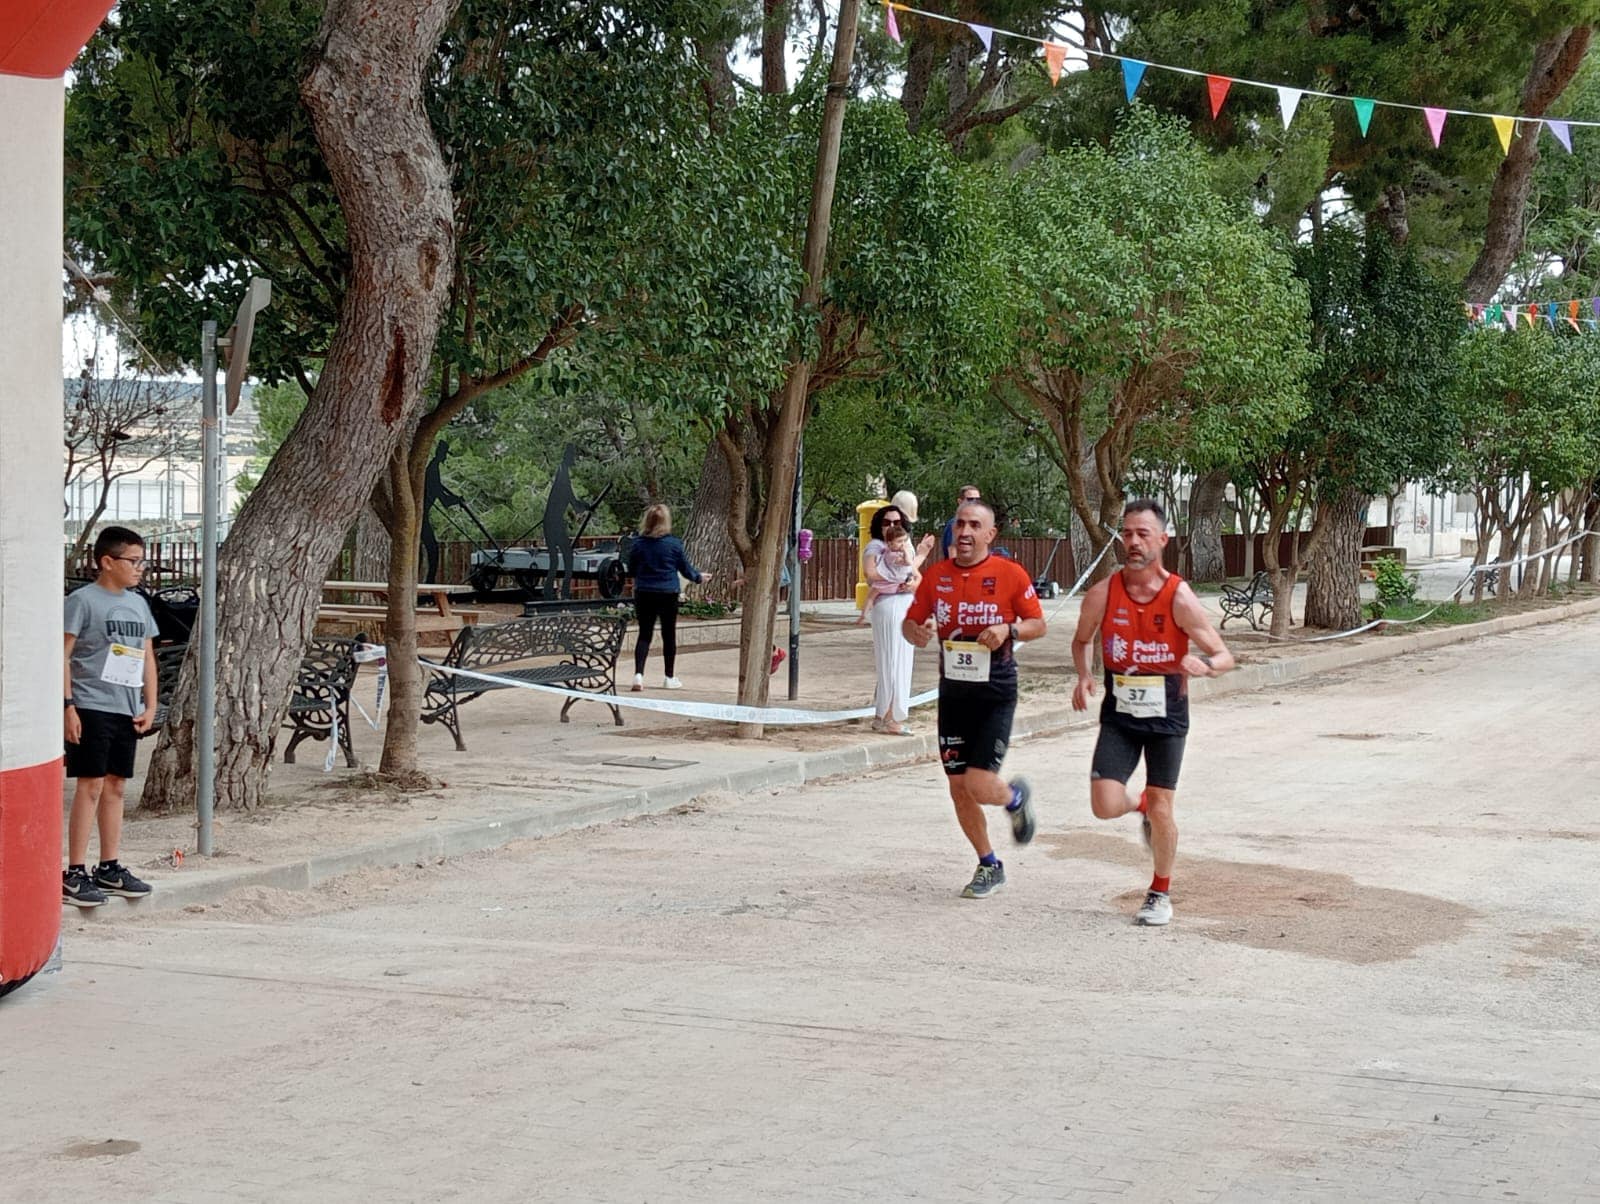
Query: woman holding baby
[892,566]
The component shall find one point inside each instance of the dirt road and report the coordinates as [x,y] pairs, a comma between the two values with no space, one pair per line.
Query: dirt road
[1380,985]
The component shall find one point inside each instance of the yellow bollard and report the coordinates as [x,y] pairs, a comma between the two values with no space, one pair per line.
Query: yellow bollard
[864,513]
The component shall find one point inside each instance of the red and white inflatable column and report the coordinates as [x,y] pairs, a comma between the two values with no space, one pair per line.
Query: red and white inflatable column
[38,41]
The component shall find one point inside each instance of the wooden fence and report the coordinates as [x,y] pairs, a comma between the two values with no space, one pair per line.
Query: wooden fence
[830,573]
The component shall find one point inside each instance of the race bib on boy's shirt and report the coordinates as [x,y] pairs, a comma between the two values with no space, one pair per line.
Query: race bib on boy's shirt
[124,666]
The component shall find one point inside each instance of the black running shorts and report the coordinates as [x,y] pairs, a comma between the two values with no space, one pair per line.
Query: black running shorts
[974,729]
[1117,753]
[105,747]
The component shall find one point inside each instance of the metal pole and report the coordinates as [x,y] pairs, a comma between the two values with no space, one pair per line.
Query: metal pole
[794,575]
[1433,522]
[206,704]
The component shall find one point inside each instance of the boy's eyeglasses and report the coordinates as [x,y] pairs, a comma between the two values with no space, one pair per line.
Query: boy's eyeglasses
[137,562]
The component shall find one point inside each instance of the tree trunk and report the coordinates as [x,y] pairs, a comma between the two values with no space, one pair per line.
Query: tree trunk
[774,39]
[921,61]
[1333,595]
[370,561]
[1535,576]
[782,446]
[400,624]
[1555,61]
[1590,572]
[1283,578]
[364,96]
[1206,502]
[705,536]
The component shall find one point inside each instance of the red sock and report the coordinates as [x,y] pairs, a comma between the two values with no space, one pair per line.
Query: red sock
[1161,884]
[1144,802]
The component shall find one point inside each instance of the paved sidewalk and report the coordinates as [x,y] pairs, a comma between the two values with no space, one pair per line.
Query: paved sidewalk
[525,774]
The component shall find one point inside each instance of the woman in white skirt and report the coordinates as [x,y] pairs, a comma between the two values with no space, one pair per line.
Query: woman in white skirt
[891,580]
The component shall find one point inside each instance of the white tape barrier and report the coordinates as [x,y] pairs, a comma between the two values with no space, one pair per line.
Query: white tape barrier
[1427,614]
[725,712]
[1083,576]
[722,712]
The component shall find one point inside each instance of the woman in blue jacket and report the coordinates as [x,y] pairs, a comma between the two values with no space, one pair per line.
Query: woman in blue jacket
[656,561]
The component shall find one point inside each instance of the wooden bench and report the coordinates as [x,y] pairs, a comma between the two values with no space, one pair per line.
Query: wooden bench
[439,592]
[578,651]
[1253,602]
[321,690]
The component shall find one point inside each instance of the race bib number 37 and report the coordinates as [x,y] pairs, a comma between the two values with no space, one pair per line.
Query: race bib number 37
[966,660]
[1140,697]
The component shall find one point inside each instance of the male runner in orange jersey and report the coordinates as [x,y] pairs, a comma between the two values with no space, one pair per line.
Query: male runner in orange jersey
[1145,618]
[980,606]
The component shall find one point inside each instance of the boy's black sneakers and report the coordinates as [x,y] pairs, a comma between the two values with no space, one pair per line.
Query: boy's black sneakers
[78,889]
[116,879]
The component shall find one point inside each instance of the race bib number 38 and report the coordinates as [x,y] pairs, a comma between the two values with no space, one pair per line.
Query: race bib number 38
[1140,697]
[966,660]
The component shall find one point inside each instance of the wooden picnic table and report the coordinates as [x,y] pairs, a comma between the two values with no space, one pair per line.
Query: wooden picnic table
[441,593]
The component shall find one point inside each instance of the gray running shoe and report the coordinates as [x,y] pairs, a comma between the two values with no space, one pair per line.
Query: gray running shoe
[1157,910]
[78,889]
[1022,819]
[985,882]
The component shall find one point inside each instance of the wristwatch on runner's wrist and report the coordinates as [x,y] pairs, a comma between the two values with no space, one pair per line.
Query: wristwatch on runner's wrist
[1016,633]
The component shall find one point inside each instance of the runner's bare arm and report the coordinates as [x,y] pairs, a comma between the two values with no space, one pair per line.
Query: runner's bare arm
[72,726]
[1196,624]
[1089,620]
[917,634]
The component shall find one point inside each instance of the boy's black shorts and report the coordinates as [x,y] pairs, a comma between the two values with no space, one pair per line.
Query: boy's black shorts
[105,748]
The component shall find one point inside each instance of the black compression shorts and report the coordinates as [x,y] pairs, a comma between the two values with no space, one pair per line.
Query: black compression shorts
[974,729]
[1117,753]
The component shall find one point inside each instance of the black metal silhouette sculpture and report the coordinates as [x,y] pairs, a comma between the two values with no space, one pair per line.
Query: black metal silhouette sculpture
[558,544]
[436,492]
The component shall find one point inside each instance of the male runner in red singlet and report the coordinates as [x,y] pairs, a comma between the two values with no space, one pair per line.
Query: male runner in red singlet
[1146,618]
[981,607]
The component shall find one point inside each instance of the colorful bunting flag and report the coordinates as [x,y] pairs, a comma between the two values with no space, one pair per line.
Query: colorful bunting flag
[1511,317]
[1363,108]
[1132,73]
[1288,102]
[1594,303]
[1572,314]
[1217,86]
[1504,126]
[1054,55]
[1562,132]
[890,23]
[985,35]
[1435,123]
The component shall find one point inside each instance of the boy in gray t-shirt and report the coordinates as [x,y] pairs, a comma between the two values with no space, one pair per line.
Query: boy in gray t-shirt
[110,700]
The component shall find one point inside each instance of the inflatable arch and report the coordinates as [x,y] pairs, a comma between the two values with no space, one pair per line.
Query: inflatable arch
[38,41]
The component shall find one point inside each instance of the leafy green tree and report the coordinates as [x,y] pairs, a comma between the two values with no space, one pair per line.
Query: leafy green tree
[1385,330]
[1529,447]
[1146,313]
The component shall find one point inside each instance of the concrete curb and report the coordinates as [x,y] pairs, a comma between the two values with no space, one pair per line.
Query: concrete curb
[210,886]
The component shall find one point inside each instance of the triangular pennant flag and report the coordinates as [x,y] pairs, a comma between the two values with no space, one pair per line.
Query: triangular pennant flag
[1054,55]
[1217,86]
[1435,123]
[1363,112]
[1550,314]
[1511,317]
[985,35]
[1532,315]
[1594,304]
[1572,313]
[1562,132]
[1132,73]
[1493,315]
[1288,102]
[890,23]
[1504,126]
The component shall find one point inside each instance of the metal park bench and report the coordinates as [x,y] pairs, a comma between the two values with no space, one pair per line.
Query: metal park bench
[578,651]
[322,690]
[1253,602]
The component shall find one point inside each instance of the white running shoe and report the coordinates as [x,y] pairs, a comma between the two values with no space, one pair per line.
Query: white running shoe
[638,682]
[672,683]
[1157,910]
